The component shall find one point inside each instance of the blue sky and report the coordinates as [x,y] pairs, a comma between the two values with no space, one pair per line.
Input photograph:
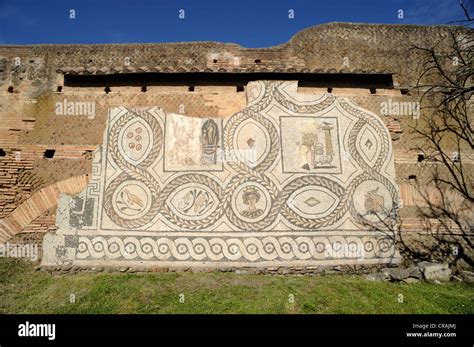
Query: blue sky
[250,23]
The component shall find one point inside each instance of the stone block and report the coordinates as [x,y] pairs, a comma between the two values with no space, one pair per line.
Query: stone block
[415,272]
[411,280]
[435,272]
[467,276]
[396,274]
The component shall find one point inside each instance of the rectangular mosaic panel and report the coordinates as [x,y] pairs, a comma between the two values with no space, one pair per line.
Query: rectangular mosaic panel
[315,141]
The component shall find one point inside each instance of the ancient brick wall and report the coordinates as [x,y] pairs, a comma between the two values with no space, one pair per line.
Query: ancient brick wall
[30,77]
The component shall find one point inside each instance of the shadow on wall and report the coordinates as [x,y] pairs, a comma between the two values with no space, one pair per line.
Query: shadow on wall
[319,80]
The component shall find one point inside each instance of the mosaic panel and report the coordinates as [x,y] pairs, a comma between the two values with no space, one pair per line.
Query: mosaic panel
[289,180]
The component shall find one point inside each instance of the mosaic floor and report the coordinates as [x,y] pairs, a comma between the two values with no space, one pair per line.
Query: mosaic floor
[291,180]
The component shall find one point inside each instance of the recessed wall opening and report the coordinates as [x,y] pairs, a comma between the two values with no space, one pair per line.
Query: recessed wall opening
[258,61]
[10,89]
[373,90]
[421,157]
[59,89]
[88,154]
[412,177]
[239,89]
[144,89]
[215,61]
[316,80]
[2,152]
[107,90]
[49,153]
[404,91]
[191,88]
[329,90]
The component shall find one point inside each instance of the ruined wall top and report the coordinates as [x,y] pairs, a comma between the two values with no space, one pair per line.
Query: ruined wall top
[326,48]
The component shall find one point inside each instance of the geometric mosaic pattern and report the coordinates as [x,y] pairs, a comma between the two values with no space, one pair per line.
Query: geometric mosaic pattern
[291,179]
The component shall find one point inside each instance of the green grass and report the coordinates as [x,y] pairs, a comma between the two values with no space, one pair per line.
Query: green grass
[24,290]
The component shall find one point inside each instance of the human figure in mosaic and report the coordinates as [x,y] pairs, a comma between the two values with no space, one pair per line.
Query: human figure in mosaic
[307,150]
[250,197]
[209,141]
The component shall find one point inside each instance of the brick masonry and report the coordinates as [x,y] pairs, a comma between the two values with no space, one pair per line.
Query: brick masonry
[28,95]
